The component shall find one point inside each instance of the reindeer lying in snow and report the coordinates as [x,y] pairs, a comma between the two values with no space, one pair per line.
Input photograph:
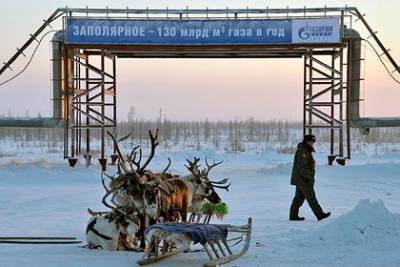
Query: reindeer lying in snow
[113,230]
[180,241]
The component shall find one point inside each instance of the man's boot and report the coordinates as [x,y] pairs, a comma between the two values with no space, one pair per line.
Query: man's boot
[324,215]
[296,218]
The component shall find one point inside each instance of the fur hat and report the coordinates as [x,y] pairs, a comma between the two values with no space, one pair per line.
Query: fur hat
[309,138]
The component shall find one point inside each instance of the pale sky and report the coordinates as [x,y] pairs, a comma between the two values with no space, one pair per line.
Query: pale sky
[194,88]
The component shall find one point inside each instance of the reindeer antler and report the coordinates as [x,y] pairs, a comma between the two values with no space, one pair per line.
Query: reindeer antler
[108,192]
[135,157]
[226,187]
[154,143]
[193,166]
[120,156]
[223,181]
[215,184]
[166,168]
[209,167]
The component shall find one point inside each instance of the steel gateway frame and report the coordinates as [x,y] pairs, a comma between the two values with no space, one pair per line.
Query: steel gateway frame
[91,100]
[89,82]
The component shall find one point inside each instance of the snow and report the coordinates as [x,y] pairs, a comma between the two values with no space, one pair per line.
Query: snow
[368,224]
[41,195]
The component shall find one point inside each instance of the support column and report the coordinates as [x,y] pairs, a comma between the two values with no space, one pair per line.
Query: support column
[323,98]
[92,102]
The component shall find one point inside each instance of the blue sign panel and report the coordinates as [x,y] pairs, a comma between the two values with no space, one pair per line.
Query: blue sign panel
[199,32]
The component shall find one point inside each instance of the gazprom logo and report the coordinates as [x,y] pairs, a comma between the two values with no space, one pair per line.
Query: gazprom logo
[315,32]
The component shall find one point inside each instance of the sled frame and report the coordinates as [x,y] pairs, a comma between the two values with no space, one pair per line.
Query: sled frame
[218,251]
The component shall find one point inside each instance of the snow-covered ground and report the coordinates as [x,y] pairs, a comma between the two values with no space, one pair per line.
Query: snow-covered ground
[41,195]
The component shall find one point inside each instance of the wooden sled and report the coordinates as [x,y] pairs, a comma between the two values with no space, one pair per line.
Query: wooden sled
[219,251]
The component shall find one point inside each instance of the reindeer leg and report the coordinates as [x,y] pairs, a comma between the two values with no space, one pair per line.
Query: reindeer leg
[142,230]
[184,215]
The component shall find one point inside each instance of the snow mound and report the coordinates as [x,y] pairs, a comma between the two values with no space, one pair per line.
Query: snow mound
[369,224]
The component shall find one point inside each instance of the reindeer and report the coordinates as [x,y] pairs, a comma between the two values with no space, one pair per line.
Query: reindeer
[200,188]
[167,196]
[181,241]
[203,187]
[113,230]
[146,192]
[127,189]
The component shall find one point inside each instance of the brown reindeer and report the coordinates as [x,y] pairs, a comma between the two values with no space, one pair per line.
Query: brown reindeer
[167,198]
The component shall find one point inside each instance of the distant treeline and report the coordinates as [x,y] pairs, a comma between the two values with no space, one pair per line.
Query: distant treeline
[227,135]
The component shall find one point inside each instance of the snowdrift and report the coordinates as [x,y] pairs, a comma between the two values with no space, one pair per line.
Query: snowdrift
[368,225]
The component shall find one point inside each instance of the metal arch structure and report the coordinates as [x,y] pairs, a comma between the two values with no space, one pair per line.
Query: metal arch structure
[89,101]
[331,71]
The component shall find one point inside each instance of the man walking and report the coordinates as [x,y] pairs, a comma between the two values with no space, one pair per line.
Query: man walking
[303,178]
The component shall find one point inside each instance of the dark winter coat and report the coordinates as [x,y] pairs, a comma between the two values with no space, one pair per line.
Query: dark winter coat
[303,171]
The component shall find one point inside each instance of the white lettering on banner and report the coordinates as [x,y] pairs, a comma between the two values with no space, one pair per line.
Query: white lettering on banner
[281,32]
[301,31]
[90,30]
[275,32]
[165,31]
[128,31]
[82,31]
[198,33]
[97,31]
[113,31]
[106,31]
[120,30]
[184,33]
[216,32]
[75,30]
[138,31]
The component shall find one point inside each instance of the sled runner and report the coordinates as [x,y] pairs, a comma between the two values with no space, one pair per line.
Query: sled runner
[217,241]
[40,240]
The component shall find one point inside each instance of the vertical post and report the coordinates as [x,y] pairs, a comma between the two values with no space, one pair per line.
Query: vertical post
[115,96]
[71,93]
[310,90]
[349,86]
[103,160]
[80,114]
[88,154]
[77,113]
[102,104]
[332,131]
[305,93]
[114,156]
[68,89]
[341,144]
[66,100]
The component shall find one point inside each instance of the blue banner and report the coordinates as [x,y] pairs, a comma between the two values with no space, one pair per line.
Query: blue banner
[199,32]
